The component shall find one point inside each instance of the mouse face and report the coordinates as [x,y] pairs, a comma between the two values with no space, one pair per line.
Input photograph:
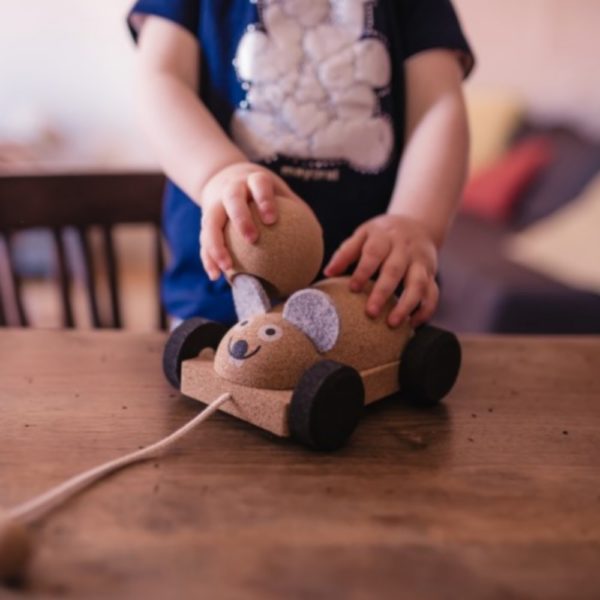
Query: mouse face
[265,351]
[271,349]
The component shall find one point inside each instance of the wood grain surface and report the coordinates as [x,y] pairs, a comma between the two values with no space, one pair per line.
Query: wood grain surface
[495,495]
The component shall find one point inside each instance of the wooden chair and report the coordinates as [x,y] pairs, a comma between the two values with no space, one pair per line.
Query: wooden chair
[81,202]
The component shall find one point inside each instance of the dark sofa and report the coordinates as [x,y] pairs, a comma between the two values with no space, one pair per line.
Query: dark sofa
[482,291]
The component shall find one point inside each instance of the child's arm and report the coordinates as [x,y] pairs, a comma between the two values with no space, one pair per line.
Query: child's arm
[191,146]
[403,243]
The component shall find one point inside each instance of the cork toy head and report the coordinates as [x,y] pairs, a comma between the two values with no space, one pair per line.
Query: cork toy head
[271,350]
[288,254]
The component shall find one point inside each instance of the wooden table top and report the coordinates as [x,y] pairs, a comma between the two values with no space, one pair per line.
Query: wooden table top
[494,495]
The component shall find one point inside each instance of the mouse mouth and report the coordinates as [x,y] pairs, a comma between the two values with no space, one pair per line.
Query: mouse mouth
[238,358]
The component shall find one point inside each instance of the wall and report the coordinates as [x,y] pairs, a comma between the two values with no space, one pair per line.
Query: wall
[70,62]
[545,50]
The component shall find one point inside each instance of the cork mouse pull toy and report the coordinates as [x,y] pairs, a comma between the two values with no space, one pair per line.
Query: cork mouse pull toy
[302,361]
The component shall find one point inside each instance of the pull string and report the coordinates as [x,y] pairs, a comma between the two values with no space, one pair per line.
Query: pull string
[37,507]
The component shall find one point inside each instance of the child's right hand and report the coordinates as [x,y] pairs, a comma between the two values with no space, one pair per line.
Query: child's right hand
[227,195]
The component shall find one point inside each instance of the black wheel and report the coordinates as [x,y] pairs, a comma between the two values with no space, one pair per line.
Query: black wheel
[326,405]
[187,341]
[429,365]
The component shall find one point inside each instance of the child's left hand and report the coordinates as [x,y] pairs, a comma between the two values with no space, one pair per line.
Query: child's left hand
[403,251]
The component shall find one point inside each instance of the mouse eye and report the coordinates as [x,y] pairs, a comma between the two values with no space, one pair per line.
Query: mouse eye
[269,333]
[243,323]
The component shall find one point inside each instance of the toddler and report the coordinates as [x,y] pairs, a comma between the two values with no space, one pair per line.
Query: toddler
[353,106]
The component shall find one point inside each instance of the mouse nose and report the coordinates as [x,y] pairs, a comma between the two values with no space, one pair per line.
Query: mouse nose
[239,349]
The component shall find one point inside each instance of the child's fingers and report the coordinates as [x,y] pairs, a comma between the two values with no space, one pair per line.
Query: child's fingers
[416,283]
[374,251]
[392,273]
[428,305]
[235,201]
[262,189]
[212,239]
[210,266]
[346,254]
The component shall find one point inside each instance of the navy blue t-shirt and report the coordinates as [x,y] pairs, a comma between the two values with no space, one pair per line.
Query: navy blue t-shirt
[312,89]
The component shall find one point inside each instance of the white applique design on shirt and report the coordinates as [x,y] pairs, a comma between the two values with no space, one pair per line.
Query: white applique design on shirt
[314,72]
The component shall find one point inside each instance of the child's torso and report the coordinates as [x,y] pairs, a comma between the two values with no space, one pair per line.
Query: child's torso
[312,88]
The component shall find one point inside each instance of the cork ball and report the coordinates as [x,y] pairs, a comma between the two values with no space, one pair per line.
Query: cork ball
[15,548]
[288,254]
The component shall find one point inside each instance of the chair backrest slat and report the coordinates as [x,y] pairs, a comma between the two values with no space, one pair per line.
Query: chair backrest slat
[3,321]
[63,277]
[160,267]
[113,277]
[15,283]
[3,273]
[89,278]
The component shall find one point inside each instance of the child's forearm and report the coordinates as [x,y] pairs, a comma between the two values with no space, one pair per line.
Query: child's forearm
[194,150]
[434,165]
[190,145]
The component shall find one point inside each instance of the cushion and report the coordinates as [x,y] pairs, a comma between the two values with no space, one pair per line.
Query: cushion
[566,245]
[494,191]
[494,118]
[576,162]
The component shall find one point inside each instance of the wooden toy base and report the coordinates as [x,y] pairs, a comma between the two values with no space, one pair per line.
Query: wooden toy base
[268,409]
[324,407]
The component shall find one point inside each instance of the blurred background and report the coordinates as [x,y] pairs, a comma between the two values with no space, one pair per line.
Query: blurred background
[523,257]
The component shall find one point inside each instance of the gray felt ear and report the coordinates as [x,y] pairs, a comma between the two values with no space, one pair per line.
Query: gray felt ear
[249,297]
[313,312]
